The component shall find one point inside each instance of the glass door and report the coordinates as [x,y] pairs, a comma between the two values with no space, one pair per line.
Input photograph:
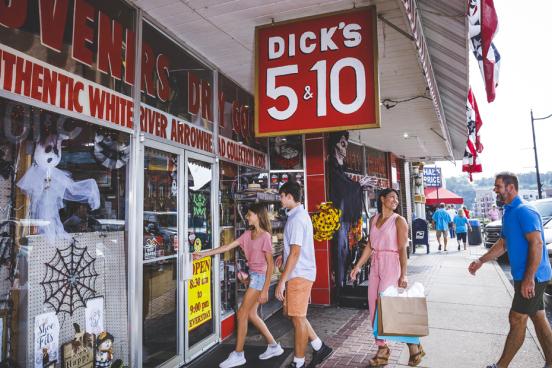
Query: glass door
[202,306]
[162,340]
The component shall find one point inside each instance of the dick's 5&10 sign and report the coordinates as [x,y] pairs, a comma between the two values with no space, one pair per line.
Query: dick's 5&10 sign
[317,74]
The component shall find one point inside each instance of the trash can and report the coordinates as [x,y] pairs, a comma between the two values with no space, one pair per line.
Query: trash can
[474,235]
[420,234]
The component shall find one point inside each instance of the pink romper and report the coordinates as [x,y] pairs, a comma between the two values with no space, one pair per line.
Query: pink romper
[385,268]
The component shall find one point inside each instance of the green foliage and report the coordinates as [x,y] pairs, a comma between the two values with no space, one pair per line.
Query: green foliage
[461,186]
[526,180]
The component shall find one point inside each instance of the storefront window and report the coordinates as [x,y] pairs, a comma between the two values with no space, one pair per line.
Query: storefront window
[160,245]
[228,185]
[75,35]
[175,82]
[236,119]
[63,241]
[286,153]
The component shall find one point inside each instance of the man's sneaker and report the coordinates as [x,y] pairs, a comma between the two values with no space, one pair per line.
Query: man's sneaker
[271,351]
[439,247]
[320,355]
[233,360]
[294,365]
[492,366]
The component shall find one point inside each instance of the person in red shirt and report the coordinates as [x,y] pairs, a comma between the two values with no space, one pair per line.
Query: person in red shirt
[466,211]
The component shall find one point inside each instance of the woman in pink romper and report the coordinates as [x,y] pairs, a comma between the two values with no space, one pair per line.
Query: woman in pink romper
[387,247]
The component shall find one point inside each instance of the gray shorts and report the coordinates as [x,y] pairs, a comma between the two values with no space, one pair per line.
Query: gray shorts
[442,232]
[257,280]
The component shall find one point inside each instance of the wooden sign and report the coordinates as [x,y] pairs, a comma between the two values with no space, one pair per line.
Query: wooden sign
[78,353]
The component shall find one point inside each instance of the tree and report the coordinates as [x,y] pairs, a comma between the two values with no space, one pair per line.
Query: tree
[461,186]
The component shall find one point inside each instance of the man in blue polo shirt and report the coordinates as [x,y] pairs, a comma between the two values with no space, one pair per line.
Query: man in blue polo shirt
[522,236]
[441,220]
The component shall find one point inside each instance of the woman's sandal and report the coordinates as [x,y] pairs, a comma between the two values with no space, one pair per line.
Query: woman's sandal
[381,358]
[416,359]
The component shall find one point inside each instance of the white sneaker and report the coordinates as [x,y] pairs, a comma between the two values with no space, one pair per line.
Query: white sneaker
[233,360]
[271,351]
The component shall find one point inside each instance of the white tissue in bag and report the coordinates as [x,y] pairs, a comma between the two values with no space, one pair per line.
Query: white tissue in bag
[416,290]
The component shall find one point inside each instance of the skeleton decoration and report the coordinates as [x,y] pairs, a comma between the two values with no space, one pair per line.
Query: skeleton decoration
[48,186]
[110,153]
[483,24]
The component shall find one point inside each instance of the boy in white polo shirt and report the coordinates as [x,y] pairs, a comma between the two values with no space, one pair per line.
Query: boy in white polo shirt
[299,275]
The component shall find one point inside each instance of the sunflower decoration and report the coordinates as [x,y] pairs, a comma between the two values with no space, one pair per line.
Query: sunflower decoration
[326,221]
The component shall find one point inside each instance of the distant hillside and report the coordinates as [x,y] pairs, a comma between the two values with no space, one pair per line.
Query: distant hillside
[461,186]
[526,181]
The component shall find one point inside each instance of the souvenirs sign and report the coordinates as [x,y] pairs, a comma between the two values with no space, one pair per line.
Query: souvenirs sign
[317,74]
[200,309]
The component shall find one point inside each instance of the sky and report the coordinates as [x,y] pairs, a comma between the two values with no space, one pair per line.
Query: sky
[525,83]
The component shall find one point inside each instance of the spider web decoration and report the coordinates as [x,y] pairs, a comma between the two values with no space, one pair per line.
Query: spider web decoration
[70,279]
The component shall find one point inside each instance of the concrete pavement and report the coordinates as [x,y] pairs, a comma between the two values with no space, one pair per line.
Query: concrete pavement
[468,318]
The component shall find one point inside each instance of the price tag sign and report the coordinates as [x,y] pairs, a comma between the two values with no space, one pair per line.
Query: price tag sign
[317,74]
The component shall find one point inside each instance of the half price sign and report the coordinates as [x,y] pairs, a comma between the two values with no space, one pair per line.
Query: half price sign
[317,74]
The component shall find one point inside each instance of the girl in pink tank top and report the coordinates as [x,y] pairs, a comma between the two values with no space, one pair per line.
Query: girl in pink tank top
[387,247]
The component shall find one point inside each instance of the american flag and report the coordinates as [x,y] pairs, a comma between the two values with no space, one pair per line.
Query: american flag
[470,163]
[483,25]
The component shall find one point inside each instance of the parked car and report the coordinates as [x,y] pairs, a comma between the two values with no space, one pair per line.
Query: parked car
[493,229]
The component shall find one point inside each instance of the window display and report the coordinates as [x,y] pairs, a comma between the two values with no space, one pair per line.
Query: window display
[63,240]
[228,184]
[160,242]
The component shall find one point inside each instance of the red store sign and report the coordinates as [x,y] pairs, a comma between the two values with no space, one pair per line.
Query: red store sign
[317,74]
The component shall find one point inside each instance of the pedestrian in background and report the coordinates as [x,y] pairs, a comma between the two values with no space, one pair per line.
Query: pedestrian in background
[387,246]
[441,220]
[461,225]
[494,213]
[298,276]
[452,213]
[466,211]
[522,236]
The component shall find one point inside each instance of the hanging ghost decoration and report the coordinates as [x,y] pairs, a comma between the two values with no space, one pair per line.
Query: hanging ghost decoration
[47,186]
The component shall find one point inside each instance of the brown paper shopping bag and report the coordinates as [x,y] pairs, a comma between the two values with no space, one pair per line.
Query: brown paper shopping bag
[401,316]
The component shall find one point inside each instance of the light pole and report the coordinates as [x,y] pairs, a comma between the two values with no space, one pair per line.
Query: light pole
[539,184]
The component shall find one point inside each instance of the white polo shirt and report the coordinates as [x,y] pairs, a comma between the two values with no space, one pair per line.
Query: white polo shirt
[298,231]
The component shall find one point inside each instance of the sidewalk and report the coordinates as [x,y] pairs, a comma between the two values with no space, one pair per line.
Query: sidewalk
[468,318]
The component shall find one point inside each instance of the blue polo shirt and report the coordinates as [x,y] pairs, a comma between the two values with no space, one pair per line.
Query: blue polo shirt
[521,218]
[442,219]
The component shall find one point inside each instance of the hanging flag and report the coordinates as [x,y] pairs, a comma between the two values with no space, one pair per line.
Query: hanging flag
[483,25]
[470,163]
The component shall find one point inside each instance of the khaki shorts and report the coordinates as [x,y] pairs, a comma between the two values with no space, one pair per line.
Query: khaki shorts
[444,232]
[296,301]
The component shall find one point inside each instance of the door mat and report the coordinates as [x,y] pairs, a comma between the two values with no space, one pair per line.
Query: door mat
[213,358]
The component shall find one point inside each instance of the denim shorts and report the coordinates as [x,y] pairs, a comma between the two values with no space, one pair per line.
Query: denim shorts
[257,280]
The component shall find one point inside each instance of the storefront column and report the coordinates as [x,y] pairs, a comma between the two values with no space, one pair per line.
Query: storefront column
[315,157]
[135,210]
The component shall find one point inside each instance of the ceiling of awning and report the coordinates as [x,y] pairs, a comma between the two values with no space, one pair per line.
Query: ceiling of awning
[223,32]
[445,31]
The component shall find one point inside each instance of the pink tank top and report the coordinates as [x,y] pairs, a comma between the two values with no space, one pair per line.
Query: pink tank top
[384,239]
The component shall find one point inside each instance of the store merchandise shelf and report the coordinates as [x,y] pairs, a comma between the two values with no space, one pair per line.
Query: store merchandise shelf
[257,197]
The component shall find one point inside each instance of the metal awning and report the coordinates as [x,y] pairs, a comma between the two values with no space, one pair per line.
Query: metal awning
[223,32]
